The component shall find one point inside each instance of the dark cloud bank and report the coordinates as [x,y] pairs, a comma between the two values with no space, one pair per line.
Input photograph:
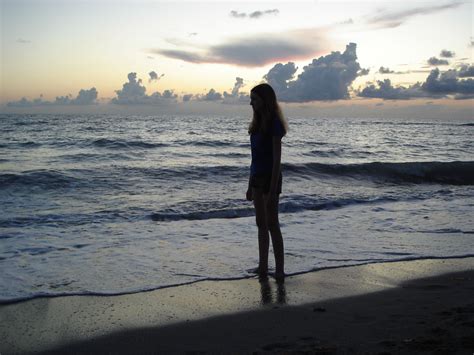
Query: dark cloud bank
[84,97]
[154,76]
[325,78]
[446,54]
[383,70]
[133,93]
[247,52]
[234,97]
[436,85]
[436,61]
[254,50]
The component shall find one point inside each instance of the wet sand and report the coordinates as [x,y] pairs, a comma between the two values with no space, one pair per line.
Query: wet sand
[421,306]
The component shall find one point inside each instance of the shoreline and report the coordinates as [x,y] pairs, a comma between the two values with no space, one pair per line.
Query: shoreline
[85,323]
[270,275]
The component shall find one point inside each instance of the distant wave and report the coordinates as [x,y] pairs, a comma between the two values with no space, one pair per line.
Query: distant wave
[455,173]
[202,215]
[66,219]
[195,210]
[100,143]
[216,143]
[337,153]
[46,178]
[28,144]
[414,123]
[291,205]
[118,143]
[451,173]
[188,172]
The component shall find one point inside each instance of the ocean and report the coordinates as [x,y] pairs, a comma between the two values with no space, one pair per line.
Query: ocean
[112,204]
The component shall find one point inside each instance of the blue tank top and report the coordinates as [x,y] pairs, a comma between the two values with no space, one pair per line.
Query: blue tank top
[262,148]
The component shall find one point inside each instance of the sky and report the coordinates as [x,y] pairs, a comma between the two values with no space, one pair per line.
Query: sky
[328,57]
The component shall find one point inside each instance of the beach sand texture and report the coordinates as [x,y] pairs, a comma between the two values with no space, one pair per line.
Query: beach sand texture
[419,306]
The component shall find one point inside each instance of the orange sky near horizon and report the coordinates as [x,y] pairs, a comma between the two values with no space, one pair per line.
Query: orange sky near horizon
[56,48]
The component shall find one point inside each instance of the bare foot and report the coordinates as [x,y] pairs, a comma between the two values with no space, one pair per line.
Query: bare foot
[280,276]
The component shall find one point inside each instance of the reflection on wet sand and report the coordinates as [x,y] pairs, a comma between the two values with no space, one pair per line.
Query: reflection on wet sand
[267,292]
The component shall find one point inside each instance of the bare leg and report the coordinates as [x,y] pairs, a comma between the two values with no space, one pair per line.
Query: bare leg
[263,237]
[277,239]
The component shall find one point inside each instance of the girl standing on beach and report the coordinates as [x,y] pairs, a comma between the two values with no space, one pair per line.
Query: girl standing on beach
[267,128]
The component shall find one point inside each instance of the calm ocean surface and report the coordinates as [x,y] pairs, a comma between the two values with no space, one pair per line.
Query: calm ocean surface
[108,204]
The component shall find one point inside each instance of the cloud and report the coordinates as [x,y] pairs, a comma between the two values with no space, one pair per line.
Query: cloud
[325,78]
[24,102]
[133,93]
[446,54]
[448,83]
[187,97]
[259,51]
[168,94]
[84,97]
[386,91]
[349,21]
[436,85]
[389,19]
[466,71]
[383,70]
[235,96]
[436,61]
[212,95]
[239,82]
[279,76]
[253,15]
[184,55]
[255,50]
[236,14]
[154,76]
[258,14]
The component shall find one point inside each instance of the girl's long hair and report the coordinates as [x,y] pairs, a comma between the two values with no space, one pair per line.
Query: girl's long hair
[262,121]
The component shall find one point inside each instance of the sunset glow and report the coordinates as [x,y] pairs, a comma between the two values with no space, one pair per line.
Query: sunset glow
[54,49]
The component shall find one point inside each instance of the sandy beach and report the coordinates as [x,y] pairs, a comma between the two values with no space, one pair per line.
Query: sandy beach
[420,306]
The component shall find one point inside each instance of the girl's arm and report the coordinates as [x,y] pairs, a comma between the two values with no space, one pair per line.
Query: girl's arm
[276,164]
[249,190]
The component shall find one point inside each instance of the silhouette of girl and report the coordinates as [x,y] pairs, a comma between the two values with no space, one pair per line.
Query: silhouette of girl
[267,128]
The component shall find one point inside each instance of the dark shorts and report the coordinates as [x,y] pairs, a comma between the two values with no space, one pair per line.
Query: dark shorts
[263,182]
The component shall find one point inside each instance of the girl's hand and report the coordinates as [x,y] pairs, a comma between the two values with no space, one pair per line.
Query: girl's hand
[270,200]
[249,195]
